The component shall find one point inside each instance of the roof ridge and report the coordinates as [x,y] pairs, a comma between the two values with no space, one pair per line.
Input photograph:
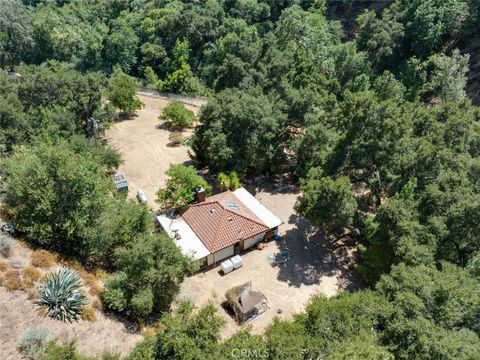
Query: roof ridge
[206,202]
[246,217]
[234,213]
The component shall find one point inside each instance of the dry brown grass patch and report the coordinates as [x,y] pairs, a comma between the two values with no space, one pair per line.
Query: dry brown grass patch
[88,314]
[4,212]
[94,286]
[4,266]
[30,276]
[42,258]
[31,294]
[13,280]
[97,304]
[149,331]
[32,273]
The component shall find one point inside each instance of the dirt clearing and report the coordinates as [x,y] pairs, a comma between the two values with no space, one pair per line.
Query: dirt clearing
[145,148]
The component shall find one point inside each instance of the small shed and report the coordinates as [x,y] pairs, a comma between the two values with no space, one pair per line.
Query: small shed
[246,303]
[120,181]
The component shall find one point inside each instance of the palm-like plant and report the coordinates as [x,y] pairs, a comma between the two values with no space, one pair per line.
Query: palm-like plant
[61,295]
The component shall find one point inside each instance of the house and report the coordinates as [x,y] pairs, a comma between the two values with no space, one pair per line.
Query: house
[217,227]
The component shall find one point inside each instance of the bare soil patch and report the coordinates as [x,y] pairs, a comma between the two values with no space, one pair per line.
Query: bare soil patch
[145,145]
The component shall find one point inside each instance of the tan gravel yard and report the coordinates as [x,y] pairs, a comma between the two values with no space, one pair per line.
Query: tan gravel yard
[144,148]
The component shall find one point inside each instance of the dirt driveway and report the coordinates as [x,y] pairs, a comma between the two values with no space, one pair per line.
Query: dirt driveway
[315,267]
[144,148]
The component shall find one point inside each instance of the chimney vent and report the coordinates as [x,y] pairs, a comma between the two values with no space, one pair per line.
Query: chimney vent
[200,194]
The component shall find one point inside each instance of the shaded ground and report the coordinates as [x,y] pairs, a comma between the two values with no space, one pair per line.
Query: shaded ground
[18,314]
[315,267]
[144,145]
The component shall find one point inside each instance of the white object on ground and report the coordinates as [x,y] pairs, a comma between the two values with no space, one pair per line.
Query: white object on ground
[141,196]
[237,261]
[227,266]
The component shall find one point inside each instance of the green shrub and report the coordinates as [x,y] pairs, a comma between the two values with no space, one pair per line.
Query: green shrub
[114,296]
[234,181]
[66,351]
[228,181]
[60,293]
[142,303]
[33,342]
[144,350]
[177,114]
[223,181]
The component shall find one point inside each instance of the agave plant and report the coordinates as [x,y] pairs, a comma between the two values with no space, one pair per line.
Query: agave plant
[61,294]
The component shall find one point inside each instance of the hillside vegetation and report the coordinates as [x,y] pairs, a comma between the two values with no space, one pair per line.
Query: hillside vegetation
[369,114]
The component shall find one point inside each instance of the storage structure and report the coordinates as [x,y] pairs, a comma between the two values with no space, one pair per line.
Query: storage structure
[120,181]
[247,303]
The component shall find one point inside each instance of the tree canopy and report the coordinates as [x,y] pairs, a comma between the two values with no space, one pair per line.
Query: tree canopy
[370,107]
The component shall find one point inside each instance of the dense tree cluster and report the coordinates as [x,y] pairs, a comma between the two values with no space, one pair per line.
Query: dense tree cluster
[374,123]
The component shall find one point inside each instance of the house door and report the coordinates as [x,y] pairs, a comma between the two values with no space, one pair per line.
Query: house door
[236,249]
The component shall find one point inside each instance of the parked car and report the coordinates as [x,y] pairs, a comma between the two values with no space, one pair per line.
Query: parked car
[141,196]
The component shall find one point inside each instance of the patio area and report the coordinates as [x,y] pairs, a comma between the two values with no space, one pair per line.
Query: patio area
[315,266]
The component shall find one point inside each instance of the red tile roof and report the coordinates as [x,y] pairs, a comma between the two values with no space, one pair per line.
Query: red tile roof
[222,220]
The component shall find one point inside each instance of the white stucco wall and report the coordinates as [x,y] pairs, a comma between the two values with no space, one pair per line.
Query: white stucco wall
[252,241]
[223,254]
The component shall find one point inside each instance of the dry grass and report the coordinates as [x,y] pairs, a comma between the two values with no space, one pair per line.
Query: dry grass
[13,281]
[88,314]
[89,279]
[4,212]
[42,258]
[32,273]
[97,304]
[149,331]
[31,294]
[30,276]
[94,286]
[4,266]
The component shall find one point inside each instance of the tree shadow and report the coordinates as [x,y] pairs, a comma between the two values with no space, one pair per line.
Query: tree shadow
[315,254]
[132,327]
[270,184]
[121,117]
[166,125]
